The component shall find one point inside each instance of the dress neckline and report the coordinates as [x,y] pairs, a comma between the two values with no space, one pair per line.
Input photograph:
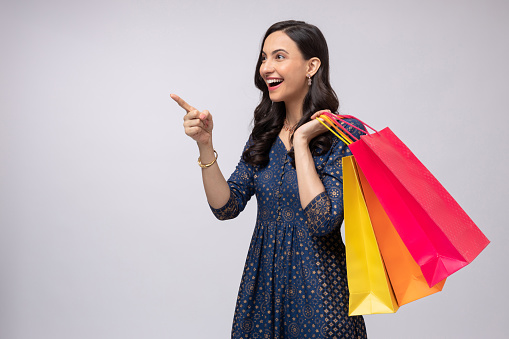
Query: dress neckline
[283,144]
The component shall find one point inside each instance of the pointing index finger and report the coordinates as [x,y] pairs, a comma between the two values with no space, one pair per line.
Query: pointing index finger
[182,103]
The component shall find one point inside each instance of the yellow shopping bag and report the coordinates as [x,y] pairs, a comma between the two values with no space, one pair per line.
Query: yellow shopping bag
[370,289]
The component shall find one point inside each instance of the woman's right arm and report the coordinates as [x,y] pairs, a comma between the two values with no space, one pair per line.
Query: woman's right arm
[198,125]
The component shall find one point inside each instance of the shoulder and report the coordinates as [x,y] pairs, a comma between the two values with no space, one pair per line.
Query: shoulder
[355,127]
[249,142]
[355,122]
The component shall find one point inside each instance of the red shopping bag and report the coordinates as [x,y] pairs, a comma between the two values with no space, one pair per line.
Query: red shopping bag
[438,233]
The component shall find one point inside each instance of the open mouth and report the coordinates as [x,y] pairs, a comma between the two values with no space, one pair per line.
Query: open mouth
[274,82]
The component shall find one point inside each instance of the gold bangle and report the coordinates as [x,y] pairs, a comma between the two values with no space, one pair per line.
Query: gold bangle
[207,165]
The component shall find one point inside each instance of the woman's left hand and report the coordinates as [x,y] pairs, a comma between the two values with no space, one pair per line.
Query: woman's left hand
[310,129]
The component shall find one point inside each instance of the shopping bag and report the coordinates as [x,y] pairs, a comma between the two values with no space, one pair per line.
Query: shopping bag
[369,286]
[435,229]
[405,275]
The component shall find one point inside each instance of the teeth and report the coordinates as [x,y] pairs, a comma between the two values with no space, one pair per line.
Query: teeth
[272,81]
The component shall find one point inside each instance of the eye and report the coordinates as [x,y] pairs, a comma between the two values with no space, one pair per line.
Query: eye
[263,57]
[280,57]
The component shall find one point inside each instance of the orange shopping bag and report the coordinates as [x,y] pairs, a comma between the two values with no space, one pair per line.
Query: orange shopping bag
[406,276]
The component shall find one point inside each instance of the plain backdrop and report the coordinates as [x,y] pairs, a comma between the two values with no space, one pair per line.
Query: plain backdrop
[104,227]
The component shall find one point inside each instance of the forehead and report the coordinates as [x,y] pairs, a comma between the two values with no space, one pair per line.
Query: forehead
[279,40]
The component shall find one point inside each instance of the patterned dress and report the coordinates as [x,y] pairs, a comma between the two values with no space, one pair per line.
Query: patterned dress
[294,283]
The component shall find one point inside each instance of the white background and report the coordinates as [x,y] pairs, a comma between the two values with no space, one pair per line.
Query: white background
[104,227]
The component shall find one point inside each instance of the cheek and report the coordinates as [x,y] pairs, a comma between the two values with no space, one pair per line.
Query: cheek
[262,73]
[294,80]
[294,73]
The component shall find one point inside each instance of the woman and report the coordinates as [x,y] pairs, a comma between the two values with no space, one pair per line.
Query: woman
[294,282]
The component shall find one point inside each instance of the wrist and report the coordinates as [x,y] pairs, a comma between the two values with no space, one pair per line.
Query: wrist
[300,140]
[205,145]
[206,151]
[207,164]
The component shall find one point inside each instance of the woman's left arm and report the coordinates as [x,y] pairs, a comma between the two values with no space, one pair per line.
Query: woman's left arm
[321,200]
[309,182]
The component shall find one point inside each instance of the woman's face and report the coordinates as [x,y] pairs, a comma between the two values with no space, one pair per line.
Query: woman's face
[284,69]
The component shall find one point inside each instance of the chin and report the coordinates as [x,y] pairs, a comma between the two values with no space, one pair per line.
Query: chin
[275,98]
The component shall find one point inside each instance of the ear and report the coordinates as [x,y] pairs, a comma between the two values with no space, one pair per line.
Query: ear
[313,65]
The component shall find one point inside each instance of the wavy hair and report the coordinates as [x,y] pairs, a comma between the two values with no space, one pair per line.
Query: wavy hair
[269,116]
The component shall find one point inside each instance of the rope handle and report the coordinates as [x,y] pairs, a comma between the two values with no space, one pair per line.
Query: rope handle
[339,116]
[335,120]
[336,132]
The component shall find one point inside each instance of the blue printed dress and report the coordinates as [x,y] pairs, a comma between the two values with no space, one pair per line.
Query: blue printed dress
[294,283]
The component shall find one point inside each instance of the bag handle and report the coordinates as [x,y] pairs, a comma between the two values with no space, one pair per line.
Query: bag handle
[334,119]
[337,132]
[342,136]
[339,116]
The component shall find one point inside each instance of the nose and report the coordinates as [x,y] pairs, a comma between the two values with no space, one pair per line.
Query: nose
[266,67]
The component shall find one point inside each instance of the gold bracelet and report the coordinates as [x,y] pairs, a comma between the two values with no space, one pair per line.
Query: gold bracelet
[207,165]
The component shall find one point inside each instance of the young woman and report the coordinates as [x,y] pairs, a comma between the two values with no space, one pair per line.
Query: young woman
[294,282]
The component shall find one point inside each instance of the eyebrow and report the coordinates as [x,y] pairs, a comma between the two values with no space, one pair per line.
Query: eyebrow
[276,51]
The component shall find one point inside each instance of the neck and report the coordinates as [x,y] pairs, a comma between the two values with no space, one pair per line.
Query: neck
[294,111]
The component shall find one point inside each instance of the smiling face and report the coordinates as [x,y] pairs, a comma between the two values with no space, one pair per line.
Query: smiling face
[284,69]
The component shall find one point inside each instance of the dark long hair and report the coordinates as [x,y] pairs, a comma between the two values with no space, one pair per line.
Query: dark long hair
[269,116]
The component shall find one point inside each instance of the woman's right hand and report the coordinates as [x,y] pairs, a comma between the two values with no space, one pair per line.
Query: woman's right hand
[198,125]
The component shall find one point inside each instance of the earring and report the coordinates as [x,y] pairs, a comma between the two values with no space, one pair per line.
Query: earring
[309,79]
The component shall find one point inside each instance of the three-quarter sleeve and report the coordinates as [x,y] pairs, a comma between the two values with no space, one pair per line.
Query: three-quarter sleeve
[325,212]
[242,188]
